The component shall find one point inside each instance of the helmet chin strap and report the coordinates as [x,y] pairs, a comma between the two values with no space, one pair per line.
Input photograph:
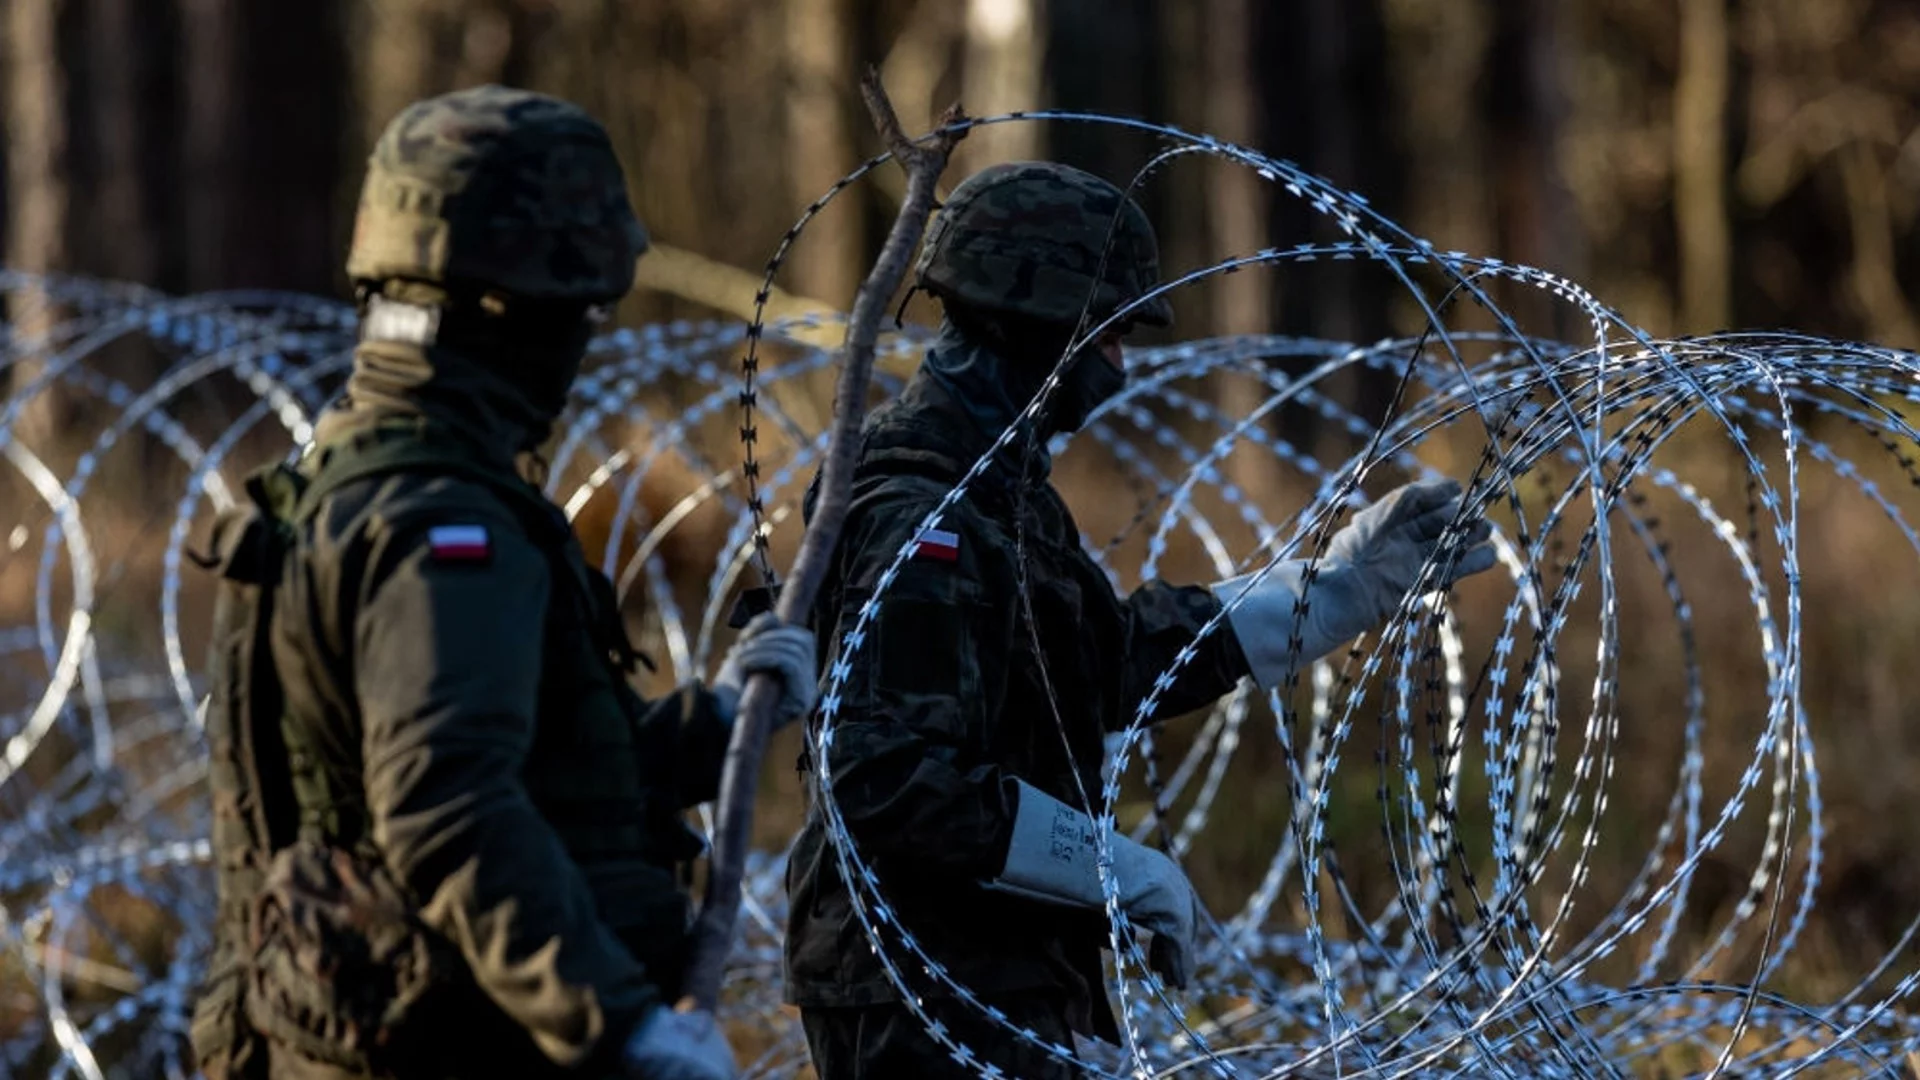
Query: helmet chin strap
[900,312]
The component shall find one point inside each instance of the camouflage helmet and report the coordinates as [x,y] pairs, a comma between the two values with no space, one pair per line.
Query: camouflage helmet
[504,188]
[1026,237]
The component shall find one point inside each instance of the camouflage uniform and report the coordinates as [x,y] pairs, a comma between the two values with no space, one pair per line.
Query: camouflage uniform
[455,704]
[955,692]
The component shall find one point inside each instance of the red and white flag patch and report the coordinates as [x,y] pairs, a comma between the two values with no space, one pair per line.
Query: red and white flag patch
[459,543]
[938,545]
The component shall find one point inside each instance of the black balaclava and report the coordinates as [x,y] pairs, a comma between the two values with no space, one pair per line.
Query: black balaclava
[498,374]
[1020,354]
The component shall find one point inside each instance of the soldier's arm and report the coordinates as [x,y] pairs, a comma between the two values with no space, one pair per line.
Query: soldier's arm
[692,724]
[688,726]
[447,657]
[1162,620]
[907,762]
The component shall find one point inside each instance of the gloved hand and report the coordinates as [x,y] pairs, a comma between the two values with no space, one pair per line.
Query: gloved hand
[1053,858]
[670,1045]
[1368,567]
[769,645]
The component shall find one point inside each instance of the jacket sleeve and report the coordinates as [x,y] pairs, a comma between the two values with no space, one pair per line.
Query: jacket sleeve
[1162,620]
[924,682]
[446,652]
[685,727]
[689,725]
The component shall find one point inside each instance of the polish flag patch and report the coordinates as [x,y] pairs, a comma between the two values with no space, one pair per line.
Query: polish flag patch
[938,545]
[459,543]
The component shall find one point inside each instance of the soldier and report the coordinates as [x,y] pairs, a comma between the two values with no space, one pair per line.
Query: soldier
[449,834]
[970,735]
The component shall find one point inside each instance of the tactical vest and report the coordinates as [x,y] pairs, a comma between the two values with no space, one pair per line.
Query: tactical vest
[291,837]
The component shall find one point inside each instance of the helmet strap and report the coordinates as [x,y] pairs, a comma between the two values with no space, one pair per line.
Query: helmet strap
[900,312]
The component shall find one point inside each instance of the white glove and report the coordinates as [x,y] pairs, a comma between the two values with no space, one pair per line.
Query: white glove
[671,1045]
[1368,567]
[767,644]
[1053,858]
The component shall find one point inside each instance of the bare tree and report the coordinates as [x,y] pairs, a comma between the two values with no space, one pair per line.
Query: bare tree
[1700,167]
[116,120]
[264,132]
[1323,59]
[820,147]
[36,190]
[1004,72]
[1237,218]
[1524,106]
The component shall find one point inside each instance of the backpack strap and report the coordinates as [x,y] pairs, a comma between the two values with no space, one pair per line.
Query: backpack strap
[250,546]
[253,798]
[407,451]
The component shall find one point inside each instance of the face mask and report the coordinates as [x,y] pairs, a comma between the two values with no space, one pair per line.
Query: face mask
[546,375]
[1090,382]
[537,351]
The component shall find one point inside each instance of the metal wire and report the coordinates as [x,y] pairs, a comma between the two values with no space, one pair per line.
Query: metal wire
[1438,806]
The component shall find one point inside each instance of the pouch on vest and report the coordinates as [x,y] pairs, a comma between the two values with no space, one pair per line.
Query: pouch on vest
[342,969]
[247,549]
[320,950]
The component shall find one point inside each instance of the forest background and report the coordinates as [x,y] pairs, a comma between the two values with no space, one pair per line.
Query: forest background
[1698,164]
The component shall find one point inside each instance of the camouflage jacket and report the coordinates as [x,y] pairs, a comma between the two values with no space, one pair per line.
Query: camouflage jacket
[950,699]
[470,715]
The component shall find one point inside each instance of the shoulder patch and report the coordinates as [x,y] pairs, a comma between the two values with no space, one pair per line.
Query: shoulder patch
[938,545]
[459,543]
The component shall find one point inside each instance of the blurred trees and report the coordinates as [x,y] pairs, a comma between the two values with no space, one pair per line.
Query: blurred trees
[1699,163]
[187,144]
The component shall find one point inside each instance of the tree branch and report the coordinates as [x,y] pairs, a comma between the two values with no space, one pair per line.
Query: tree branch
[923,161]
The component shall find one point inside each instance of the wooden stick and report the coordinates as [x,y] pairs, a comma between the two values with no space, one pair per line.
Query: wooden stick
[924,162]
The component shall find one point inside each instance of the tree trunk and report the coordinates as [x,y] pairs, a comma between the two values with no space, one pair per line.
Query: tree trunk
[1236,202]
[1235,196]
[1183,225]
[1005,46]
[1323,59]
[263,131]
[827,262]
[36,137]
[1700,167]
[916,62]
[37,192]
[1102,55]
[1525,108]
[1873,281]
[395,59]
[116,236]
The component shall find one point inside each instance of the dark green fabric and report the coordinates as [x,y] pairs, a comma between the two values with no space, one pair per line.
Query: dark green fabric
[247,767]
[949,702]
[473,727]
